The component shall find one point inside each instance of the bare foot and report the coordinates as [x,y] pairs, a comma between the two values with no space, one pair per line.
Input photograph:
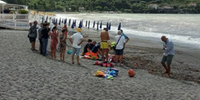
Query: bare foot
[164,72]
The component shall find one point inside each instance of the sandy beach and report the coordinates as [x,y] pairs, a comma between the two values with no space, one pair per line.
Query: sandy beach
[27,75]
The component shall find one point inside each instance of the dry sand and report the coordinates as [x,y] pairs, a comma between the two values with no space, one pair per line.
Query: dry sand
[27,75]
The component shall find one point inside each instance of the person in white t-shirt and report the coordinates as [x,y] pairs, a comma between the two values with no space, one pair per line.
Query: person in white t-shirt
[120,42]
[76,39]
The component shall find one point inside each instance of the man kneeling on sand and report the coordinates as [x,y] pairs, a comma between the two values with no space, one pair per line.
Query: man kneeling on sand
[168,46]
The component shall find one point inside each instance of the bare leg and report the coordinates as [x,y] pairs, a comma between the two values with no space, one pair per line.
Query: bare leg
[72,58]
[60,54]
[64,55]
[33,45]
[77,59]
[52,52]
[120,58]
[169,69]
[106,54]
[40,48]
[116,59]
[102,54]
[164,65]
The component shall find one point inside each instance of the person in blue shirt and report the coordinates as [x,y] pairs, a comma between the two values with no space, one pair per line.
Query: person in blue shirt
[168,55]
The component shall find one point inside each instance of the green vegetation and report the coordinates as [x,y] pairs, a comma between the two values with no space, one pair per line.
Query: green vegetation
[22,11]
[129,6]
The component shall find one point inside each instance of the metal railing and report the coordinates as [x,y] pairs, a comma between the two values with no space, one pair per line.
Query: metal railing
[15,21]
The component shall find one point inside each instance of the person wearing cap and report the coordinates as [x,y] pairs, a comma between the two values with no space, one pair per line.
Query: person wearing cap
[104,44]
[168,55]
[76,40]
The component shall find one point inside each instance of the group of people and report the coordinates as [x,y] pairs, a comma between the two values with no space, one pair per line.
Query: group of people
[92,49]
[45,33]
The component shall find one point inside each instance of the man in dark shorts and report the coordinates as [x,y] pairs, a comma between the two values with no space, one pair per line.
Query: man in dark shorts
[32,35]
[168,46]
[120,42]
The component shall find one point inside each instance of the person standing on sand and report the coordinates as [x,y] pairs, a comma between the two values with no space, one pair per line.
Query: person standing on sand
[76,39]
[66,30]
[40,37]
[45,36]
[62,46]
[168,46]
[33,35]
[54,42]
[126,37]
[120,42]
[104,44]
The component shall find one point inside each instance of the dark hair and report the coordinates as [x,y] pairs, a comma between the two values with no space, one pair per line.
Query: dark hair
[63,30]
[105,29]
[89,40]
[46,24]
[54,28]
[121,30]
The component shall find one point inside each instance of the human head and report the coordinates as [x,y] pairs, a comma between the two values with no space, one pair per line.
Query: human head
[30,24]
[164,39]
[89,40]
[55,24]
[78,30]
[65,25]
[54,29]
[35,23]
[94,42]
[105,29]
[119,32]
[46,25]
[41,24]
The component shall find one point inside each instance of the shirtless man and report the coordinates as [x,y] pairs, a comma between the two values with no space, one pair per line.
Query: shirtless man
[104,44]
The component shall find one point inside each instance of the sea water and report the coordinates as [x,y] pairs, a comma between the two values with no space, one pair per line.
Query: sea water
[181,28]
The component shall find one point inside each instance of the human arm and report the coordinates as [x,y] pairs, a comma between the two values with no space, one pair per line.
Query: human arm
[169,47]
[70,39]
[108,37]
[81,42]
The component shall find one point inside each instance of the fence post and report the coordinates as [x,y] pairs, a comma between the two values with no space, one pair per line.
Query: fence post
[15,21]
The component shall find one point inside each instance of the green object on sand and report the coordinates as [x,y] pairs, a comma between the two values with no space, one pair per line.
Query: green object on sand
[69,52]
[93,58]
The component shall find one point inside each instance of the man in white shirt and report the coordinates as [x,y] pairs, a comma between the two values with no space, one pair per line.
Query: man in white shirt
[76,39]
[168,46]
[120,42]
